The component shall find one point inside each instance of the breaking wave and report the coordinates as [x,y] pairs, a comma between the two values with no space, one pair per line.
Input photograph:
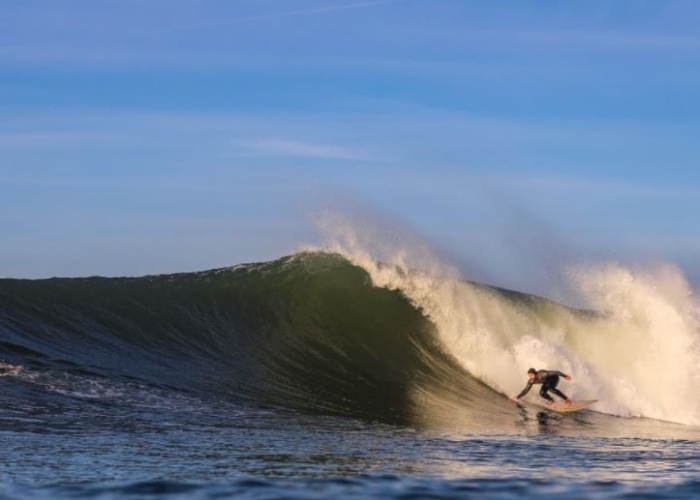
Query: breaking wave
[341,333]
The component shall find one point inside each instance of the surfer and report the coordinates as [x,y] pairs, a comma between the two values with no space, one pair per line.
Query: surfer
[549,380]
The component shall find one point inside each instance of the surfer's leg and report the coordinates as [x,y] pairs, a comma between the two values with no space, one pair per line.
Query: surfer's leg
[558,393]
[552,387]
[543,392]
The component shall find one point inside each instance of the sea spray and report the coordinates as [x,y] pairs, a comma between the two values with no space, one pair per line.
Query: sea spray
[648,345]
[635,348]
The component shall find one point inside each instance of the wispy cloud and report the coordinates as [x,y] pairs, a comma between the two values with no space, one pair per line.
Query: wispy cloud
[128,42]
[34,139]
[588,39]
[307,12]
[69,57]
[275,147]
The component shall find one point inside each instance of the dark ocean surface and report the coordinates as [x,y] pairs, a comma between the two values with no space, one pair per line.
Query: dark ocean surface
[298,378]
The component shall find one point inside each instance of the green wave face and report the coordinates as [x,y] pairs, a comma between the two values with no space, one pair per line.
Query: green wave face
[308,332]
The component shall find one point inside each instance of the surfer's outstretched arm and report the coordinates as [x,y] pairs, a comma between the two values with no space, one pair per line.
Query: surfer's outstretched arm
[526,390]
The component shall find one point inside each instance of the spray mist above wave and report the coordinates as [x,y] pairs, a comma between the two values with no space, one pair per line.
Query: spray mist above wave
[637,350]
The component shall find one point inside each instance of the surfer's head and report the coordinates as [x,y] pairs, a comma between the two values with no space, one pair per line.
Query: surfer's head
[531,373]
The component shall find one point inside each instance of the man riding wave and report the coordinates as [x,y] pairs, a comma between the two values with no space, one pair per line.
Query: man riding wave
[549,380]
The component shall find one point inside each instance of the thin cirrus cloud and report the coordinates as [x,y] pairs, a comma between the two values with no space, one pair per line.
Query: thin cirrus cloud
[318,10]
[59,139]
[148,46]
[277,147]
[604,40]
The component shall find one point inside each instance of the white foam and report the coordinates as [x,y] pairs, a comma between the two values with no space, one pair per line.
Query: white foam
[641,357]
[647,350]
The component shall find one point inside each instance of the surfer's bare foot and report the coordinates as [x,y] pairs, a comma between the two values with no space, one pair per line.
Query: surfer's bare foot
[568,402]
[550,403]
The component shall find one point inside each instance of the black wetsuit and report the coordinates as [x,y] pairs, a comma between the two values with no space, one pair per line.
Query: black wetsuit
[549,380]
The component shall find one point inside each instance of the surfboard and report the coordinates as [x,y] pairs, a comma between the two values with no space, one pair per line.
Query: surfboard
[562,407]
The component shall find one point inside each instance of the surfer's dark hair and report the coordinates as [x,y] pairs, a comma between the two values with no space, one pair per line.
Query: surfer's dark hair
[532,370]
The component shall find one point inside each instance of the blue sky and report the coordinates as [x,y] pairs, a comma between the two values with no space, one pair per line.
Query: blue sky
[170,135]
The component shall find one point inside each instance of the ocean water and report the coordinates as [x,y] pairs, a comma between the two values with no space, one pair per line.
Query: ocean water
[335,375]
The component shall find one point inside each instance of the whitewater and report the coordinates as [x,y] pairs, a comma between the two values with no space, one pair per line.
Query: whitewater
[633,343]
[365,367]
